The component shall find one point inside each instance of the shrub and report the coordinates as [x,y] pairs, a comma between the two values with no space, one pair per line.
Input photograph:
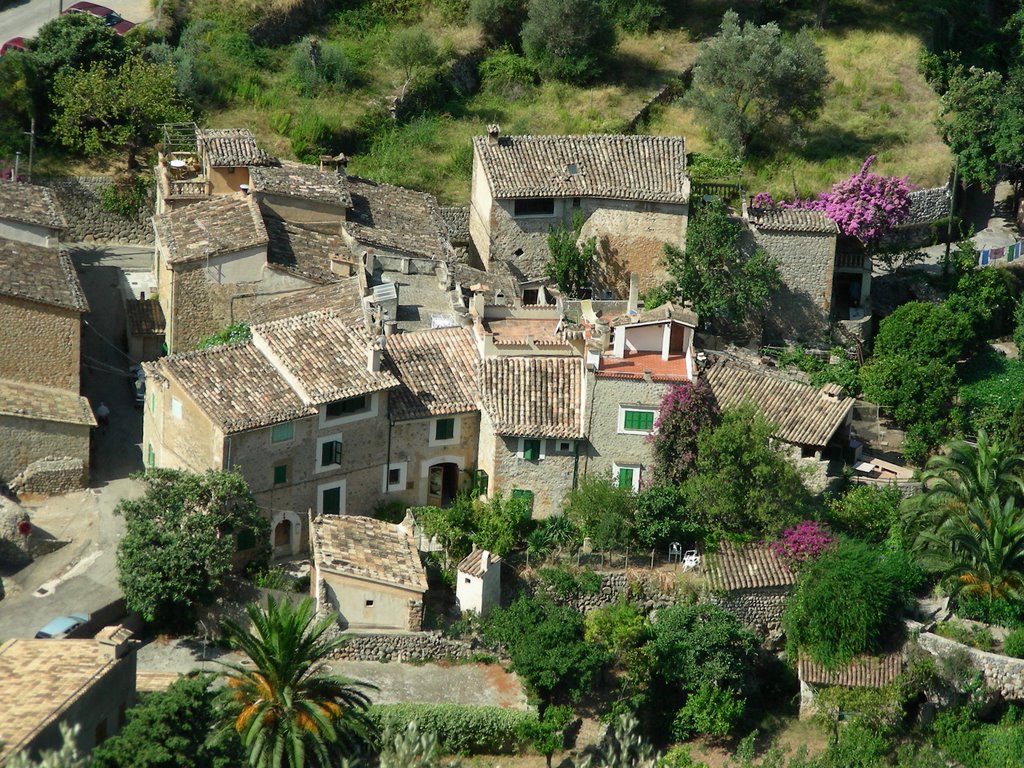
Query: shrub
[602,511]
[125,197]
[507,74]
[999,611]
[685,410]
[924,331]
[709,711]
[1018,323]
[567,584]
[802,543]
[236,333]
[316,66]
[662,516]
[620,628]
[500,20]
[459,729]
[966,634]
[569,40]
[866,511]
[1013,645]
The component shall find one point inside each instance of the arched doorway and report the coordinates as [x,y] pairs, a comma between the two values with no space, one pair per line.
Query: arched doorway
[283,538]
[442,484]
[285,529]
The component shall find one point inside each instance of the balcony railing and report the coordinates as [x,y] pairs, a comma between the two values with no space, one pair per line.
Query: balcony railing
[853,261]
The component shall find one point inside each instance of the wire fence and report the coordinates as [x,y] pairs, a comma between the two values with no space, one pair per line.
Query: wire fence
[665,558]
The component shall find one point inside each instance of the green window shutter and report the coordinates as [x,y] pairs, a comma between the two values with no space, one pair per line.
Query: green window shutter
[639,421]
[280,474]
[246,540]
[152,402]
[150,456]
[330,453]
[480,483]
[527,496]
[279,433]
[444,429]
[626,477]
[531,450]
[332,501]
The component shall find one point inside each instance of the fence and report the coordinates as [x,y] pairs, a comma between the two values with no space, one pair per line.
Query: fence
[612,560]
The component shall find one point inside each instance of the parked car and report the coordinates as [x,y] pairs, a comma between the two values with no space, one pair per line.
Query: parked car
[110,18]
[62,626]
[14,44]
[137,385]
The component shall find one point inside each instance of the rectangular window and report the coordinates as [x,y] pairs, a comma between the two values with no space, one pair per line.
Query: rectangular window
[626,476]
[394,476]
[282,433]
[280,474]
[330,453]
[347,407]
[636,420]
[531,450]
[175,407]
[369,603]
[150,456]
[527,496]
[537,206]
[444,429]
[331,501]
[625,479]
[152,402]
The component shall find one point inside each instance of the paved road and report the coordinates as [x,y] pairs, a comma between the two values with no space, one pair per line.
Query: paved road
[25,18]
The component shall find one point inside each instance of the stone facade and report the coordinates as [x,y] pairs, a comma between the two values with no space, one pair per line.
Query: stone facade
[759,609]
[418,646]
[81,199]
[616,586]
[1004,674]
[53,334]
[24,443]
[414,451]
[609,446]
[801,310]
[52,476]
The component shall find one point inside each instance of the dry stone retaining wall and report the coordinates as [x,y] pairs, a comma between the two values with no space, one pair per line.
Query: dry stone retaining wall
[416,646]
[51,477]
[615,585]
[82,202]
[1004,674]
[759,609]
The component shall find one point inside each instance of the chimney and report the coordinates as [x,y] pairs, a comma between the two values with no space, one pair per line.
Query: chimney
[244,188]
[342,160]
[114,641]
[373,354]
[832,392]
[634,292]
[493,134]
[485,560]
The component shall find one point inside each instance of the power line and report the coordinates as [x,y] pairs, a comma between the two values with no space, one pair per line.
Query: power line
[108,342]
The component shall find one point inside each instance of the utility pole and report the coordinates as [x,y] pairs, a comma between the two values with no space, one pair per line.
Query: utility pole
[17,157]
[949,221]
[31,148]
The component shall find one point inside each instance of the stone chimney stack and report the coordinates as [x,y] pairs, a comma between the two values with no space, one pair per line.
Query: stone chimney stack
[485,560]
[373,355]
[634,292]
[493,134]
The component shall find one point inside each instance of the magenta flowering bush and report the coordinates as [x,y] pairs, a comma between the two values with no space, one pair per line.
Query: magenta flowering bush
[866,206]
[802,543]
[686,409]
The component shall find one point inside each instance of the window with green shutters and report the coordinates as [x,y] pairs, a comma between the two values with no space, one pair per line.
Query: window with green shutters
[444,429]
[280,474]
[625,477]
[531,450]
[527,496]
[638,421]
[330,453]
[347,407]
[332,501]
[281,433]
[480,483]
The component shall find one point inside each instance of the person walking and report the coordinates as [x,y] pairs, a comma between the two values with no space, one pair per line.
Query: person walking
[103,416]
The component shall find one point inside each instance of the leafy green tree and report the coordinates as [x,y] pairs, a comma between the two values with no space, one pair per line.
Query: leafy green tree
[412,51]
[924,331]
[320,65]
[101,109]
[179,541]
[235,333]
[601,510]
[685,410]
[743,486]
[569,40]
[714,272]
[845,603]
[500,20]
[752,83]
[454,525]
[545,643]
[17,77]
[569,264]
[68,756]
[287,711]
[547,734]
[75,41]
[663,515]
[171,728]
[866,511]
[501,524]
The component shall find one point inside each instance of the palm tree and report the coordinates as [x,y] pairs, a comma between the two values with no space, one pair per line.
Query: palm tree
[980,548]
[288,712]
[973,472]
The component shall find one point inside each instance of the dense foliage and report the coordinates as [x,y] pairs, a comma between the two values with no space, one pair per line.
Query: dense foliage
[804,542]
[459,729]
[235,333]
[180,541]
[866,511]
[569,264]
[569,40]
[602,510]
[685,410]
[496,524]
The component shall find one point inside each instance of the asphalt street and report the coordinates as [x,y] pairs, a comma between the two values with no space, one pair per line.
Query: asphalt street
[25,18]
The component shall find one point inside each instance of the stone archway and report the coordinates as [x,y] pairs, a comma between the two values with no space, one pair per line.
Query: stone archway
[285,534]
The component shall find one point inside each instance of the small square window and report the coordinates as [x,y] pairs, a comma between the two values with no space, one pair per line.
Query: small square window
[175,407]
[394,476]
[444,429]
[330,453]
[281,433]
[369,603]
[280,474]
[531,450]
[469,580]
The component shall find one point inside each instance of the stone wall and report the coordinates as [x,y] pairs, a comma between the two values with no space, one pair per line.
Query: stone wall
[24,442]
[53,334]
[927,206]
[638,587]
[81,199]
[1001,673]
[759,609]
[416,646]
[51,477]
[607,444]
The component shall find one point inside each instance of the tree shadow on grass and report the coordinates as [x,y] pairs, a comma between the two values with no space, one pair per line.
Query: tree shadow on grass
[831,142]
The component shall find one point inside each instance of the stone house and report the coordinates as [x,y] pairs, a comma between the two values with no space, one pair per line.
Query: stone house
[434,417]
[369,571]
[48,683]
[531,428]
[300,194]
[478,582]
[42,414]
[301,411]
[862,672]
[145,327]
[30,214]
[631,191]
[751,582]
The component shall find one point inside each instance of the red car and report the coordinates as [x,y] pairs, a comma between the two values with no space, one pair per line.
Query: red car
[14,44]
[110,18]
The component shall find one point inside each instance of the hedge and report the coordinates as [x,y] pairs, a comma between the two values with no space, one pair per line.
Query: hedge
[460,729]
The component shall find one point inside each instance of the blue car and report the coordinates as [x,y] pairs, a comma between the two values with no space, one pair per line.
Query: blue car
[62,627]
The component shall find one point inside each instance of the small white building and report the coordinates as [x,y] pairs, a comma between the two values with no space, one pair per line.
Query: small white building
[479,582]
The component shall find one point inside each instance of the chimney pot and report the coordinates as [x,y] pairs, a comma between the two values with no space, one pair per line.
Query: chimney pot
[493,134]
[373,355]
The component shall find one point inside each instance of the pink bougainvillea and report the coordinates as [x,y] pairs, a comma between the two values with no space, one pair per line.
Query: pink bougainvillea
[866,206]
[803,542]
[686,409]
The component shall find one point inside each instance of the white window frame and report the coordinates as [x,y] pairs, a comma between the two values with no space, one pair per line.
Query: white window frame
[456,432]
[403,468]
[326,487]
[286,440]
[319,452]
[571,450]
[622,419]
[637,472]
[521,448]
[176,411]
[369,413]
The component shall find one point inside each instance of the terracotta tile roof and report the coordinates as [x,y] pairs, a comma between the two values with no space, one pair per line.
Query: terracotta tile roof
[609,166]
[231,147]
[30,204]
[457,220]
[306,182]
[323,356]
[791,220]
[370,549]
[635,365]
[35,273]
[862,672]
[437,371]
[668,311]
[305,252]
[210,228]
[44,403]
[395,218]
[343,298]
[804,415]
[144,317]
[533,396]
[753,566]
[234,385]
[39,681]
[473,563]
